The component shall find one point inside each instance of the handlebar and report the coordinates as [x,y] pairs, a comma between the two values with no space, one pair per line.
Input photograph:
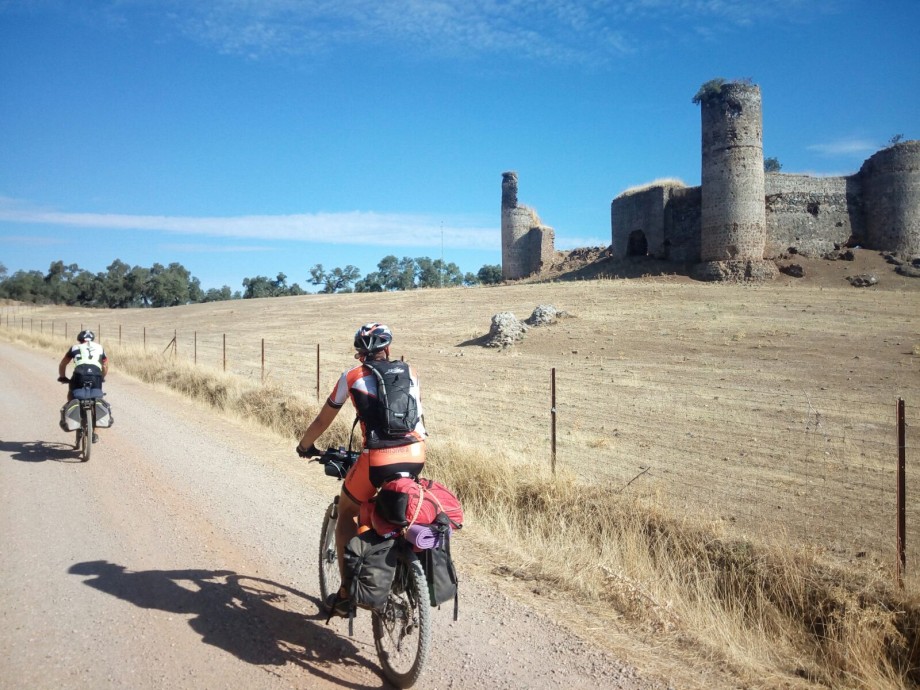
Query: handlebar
[63,379]
[337,461]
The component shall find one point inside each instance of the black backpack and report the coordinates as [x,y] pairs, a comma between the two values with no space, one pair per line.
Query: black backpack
[393,414]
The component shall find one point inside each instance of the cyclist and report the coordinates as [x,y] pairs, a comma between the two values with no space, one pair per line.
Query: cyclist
[90,364]
[379,460]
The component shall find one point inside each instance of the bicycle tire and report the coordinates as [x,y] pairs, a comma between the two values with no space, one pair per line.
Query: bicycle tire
[330,579]
[402,630]
[86,442]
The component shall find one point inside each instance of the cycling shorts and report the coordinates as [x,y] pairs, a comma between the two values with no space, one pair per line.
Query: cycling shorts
[375,466]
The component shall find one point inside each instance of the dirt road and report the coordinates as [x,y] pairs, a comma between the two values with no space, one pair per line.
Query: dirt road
[182,556]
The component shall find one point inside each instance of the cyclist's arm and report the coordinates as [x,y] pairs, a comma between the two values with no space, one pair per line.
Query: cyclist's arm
[105,365]
[62,366]
[319,425]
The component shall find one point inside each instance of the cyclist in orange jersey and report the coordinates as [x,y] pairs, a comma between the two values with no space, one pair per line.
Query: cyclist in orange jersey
[381,458]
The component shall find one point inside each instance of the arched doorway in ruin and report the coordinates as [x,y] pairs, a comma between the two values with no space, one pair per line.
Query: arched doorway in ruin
[637,244]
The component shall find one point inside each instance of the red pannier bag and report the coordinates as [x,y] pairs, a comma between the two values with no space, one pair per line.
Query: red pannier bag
[403,502]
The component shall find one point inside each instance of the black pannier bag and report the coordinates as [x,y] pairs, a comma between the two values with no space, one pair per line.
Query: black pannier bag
[370,565]
[439,568]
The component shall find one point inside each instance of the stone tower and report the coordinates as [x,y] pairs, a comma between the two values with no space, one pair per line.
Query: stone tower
[527,244]
[891,192]
[733,220]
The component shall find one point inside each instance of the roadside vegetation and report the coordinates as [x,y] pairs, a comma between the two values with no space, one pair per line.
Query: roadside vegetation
[775,615]
[122,286]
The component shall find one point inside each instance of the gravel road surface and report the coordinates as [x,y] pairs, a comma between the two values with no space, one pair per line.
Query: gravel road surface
[182,555]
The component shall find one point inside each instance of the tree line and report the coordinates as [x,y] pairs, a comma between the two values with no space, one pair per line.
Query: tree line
[122,286]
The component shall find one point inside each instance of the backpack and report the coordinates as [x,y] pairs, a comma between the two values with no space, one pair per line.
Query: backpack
[403,502]
[393,414]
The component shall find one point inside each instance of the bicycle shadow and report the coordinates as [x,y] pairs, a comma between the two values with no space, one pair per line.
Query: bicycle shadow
[40,451]
[245,616]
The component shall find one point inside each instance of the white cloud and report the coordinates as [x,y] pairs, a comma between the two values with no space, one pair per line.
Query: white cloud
[849,147]
[30,240]
[204,248]
[579,31]
[356,227]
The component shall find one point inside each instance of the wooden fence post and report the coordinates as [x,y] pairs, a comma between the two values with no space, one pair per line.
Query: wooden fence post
[552,433]
[902,491]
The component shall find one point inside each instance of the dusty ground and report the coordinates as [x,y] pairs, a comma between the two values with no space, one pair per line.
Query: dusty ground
[763,406]
[182,556]
[767,407]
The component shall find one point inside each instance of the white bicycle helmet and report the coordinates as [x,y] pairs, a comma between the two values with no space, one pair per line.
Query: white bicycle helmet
[373,337]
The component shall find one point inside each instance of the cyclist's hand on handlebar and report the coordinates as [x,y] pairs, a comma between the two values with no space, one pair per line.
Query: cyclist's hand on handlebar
[311,452]
[63,379]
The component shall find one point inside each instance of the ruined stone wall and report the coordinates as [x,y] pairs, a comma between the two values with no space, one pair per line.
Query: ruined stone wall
[891,190]
[640,211]
[741,215]
[666,215]
[812,215]
[527,244]
[683,222]
[733,216]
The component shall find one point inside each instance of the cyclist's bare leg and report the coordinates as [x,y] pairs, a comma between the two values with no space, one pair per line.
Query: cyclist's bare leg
[345,527]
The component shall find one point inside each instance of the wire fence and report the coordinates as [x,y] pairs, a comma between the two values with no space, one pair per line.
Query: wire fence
[767,460]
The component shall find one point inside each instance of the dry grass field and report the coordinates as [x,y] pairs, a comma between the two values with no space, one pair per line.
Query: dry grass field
[761,413]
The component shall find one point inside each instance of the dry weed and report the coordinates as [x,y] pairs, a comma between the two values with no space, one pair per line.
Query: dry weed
[773,613]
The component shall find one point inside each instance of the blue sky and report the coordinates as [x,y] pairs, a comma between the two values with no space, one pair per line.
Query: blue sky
[252,137]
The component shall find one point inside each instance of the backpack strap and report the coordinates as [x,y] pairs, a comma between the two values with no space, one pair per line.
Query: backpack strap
[456,581]
[434,498]
[418,509]
[351,436]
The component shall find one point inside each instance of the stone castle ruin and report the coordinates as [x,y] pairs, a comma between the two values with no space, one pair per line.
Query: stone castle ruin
[740,218]
[527,244]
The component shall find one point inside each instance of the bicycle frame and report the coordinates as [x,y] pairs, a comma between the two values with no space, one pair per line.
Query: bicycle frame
[402,628]
[84,438]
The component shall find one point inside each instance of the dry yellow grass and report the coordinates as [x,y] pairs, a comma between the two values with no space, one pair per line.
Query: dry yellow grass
[725,452]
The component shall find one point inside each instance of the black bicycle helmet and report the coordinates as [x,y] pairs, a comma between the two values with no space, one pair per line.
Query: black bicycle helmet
[83,336]
[373,337]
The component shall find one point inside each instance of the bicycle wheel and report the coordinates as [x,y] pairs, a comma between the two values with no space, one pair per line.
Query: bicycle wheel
[329,577]
[86,438]
[402,631]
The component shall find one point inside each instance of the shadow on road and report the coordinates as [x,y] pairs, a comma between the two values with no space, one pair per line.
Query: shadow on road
[248,617]
[40,451]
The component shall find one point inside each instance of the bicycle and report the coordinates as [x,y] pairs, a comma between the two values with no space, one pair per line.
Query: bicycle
[87,395]
[402,628]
